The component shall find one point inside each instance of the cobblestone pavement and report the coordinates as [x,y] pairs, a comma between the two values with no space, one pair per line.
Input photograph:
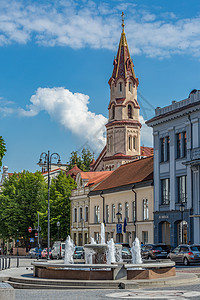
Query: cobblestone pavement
[191,292]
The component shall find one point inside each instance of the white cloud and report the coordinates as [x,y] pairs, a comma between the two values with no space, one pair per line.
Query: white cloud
[80,24]
[146,134]
[71,111]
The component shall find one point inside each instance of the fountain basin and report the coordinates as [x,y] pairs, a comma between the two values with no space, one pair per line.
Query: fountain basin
[74,271]
[104,271]
[152,270]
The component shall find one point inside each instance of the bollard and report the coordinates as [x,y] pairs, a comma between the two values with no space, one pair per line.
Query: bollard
[2,263]
[17,261]
[9,262]
[5,262]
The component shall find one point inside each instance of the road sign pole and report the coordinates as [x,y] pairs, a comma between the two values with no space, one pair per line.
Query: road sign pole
[38,234]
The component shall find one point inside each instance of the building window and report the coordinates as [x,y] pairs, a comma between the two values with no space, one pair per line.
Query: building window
[134,211]
[168,144]
[129,142]
[113,213]
[134,143]
[86,214]
[107,213]
[145,209]
[182,189]
[145,237]
[113,112]
[165,190]
[127,211]
[130,112]
[74,238]
[184,144]
[96,214]
[130,87]
[120,86]
[120,210]
[162,149]
[80,214]
[75,214]
[178,145]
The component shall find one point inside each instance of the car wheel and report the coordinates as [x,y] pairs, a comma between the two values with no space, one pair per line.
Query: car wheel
[185,262]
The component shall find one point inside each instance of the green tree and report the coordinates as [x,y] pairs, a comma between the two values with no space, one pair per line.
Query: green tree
[22,196]
[2,150]
[60,191]
[83,161]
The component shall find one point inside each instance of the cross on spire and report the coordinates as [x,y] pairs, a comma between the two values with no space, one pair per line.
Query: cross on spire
[122,21]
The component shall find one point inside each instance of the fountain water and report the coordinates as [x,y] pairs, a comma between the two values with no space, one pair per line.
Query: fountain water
[111,252]
[69,251]
[93,242]
[136,252]
[102,234]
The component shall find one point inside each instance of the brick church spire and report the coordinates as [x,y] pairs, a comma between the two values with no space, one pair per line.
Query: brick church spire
[123,64]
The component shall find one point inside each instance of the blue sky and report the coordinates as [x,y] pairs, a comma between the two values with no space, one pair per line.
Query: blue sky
[56,58]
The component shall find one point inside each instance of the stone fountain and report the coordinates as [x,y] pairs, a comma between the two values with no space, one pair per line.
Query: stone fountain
[103,262]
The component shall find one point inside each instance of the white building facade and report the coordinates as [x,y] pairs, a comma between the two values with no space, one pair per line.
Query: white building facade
[176,130]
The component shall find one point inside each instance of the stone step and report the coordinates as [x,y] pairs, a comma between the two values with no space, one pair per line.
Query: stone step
[30,285]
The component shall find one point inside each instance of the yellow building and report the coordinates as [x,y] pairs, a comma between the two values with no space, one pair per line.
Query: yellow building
[127,193]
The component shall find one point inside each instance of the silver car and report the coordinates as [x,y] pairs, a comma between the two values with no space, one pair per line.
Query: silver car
[185,254]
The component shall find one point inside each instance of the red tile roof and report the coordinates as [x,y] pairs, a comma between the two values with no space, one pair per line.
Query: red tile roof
[95,177]
[146,151]
[134,172]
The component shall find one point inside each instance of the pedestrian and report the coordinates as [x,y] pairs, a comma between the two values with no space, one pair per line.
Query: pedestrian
[189,243]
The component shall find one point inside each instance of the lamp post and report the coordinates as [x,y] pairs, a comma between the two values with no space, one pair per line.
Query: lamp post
[119,215]
[17,248]
[182,208]
[82,224]
[45,160]
[58,225]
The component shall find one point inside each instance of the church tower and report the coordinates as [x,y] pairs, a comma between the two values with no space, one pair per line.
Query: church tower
[123,127]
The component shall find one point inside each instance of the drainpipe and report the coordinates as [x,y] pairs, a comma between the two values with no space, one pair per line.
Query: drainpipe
[101,195]
[135,209]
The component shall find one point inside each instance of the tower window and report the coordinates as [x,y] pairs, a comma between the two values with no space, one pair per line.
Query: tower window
[120,86]
[130,112]
[134,143]
[113,112]
[130,87]
[129,143]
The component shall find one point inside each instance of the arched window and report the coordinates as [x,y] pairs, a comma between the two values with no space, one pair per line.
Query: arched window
[145,209]
[113,112]
[113,213]
[120,210]
[130,112]
[130,87]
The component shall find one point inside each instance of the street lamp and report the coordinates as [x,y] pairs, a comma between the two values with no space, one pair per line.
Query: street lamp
[58,225]
[82,224]
[45,160]
[182,208]
[119,215]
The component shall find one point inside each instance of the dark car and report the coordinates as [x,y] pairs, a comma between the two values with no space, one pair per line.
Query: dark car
[79,252]
[185,254]
[126,253]
[154,251]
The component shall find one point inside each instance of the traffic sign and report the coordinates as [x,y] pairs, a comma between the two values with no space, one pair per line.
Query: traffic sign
[31,240]
[30,229]
[17,241]
[36,234]
[119,228]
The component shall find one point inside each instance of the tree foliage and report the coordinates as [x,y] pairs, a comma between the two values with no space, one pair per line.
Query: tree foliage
[22,196]
[60,192]
[2,150]
[83,162]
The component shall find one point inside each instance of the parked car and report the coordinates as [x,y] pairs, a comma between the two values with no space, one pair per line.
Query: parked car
[34,252]
[154,251]
[44,253]
[126,253]
[56,250]
[79,252]
[185,254]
